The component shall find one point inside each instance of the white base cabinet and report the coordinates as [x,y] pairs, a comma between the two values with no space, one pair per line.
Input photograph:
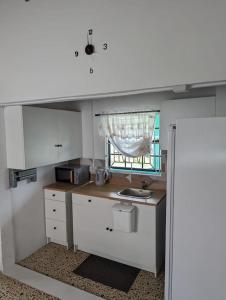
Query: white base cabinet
[38,136]
[58,214]
[94,233]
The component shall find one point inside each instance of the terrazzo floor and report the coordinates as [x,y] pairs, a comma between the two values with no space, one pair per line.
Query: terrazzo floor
[11,289]
[57,262]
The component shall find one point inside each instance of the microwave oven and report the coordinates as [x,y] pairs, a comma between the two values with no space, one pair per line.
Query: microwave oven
[74,174]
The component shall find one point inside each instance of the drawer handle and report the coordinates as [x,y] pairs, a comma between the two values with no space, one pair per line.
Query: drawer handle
[54,228]
[111,229]
[107,228]
[89,200]
[54,210]
[53,195]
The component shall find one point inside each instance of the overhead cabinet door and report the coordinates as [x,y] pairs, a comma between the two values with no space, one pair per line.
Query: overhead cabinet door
[69,135]
[173,110]
[38,136]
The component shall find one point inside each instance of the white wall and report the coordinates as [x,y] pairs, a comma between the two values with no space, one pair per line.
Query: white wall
[21,211]
[1,266]
[152,44]
[6,226]
[28,213]
[221,101]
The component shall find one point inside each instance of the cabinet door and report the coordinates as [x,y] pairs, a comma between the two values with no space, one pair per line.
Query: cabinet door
[136,248]
[173,110]
[55,210]
[40,136]
[99,142]
[56,230]
[70,135]
[87,129]
[55,195]
[139,247]
[92,217]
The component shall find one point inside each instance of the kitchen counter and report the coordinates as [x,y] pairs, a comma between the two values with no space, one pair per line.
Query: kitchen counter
[106,191]
[60,186]
[109,191]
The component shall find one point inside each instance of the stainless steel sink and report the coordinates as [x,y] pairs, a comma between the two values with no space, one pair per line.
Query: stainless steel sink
[135,193]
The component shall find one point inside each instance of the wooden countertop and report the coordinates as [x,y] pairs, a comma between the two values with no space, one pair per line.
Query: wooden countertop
[60,186]
[106,191]
[109,191]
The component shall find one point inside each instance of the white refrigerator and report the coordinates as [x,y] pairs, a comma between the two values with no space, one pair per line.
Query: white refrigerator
[196,210]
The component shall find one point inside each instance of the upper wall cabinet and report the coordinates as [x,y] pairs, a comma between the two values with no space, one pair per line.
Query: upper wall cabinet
[173,110]
[38,136]
[136,45]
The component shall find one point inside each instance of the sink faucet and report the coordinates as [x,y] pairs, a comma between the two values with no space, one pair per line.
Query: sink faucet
[129,177]
[145,183]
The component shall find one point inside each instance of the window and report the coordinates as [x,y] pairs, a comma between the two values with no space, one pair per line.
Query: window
[150,163]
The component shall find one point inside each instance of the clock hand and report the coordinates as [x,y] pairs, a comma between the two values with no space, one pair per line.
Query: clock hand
[89,49]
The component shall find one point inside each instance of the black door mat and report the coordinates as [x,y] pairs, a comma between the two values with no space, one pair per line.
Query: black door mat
[116,275]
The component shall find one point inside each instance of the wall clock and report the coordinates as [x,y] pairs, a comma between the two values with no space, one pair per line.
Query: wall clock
[91,49]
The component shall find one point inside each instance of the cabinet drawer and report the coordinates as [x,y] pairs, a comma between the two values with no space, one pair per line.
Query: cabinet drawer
[55,195]
[56,230]
[55,210]
[82,200]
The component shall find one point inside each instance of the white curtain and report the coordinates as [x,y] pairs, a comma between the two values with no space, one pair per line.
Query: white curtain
[130,133]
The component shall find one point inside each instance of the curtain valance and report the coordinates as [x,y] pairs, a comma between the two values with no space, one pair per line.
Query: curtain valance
[130,133]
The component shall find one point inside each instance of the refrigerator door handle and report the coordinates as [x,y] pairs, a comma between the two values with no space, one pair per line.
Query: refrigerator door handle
[170,212]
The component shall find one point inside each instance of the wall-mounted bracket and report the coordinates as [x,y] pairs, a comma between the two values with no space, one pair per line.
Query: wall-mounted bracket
[19,175]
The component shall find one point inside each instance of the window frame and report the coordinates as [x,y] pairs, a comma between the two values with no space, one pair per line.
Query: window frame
[127,170]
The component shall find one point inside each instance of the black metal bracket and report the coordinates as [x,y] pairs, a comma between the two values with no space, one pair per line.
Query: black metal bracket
[18,175]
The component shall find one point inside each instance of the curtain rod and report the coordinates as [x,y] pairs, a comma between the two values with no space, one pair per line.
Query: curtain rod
[126,113]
